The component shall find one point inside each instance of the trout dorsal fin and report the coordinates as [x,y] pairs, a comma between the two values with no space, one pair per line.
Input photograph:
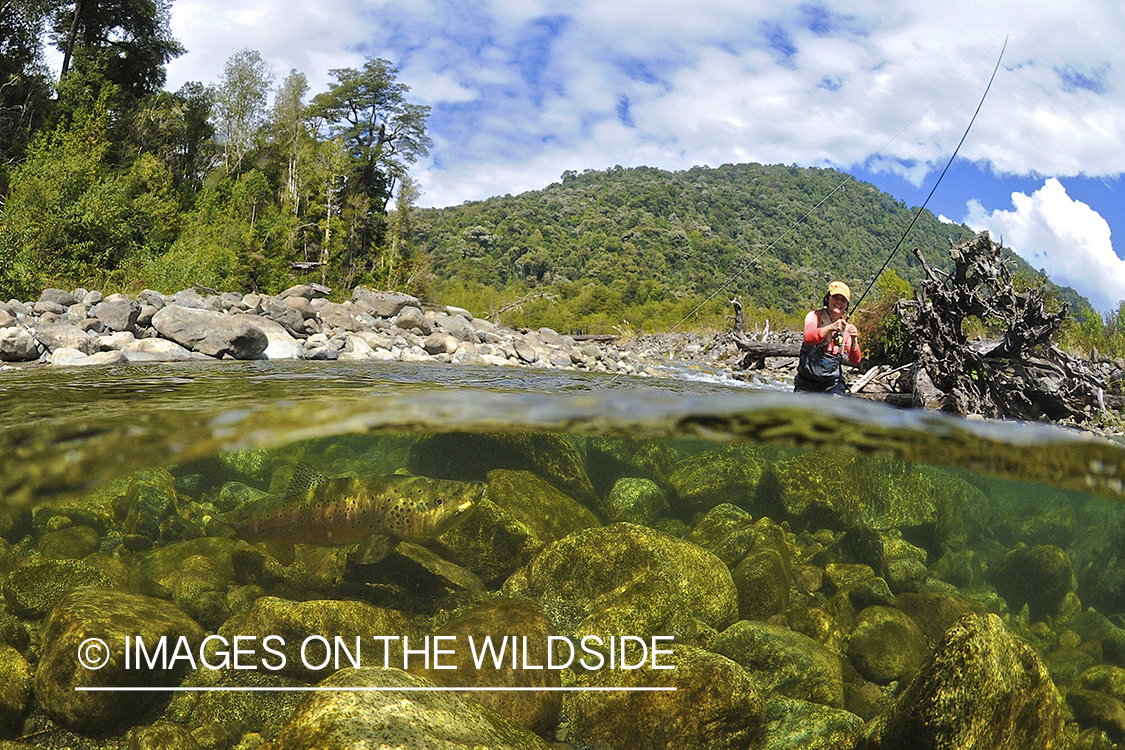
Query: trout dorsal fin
[305,478]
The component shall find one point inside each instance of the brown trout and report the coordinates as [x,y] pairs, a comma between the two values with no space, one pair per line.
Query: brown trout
[346,510]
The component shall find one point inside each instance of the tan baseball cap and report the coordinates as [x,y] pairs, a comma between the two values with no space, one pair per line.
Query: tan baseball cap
[839,287]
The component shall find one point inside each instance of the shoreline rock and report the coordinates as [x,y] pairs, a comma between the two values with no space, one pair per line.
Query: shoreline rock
[82,328]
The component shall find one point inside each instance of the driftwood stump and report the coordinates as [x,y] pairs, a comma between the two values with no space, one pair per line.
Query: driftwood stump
[1020,375]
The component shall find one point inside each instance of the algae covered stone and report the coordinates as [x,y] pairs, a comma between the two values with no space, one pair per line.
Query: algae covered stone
[727,474]
[636,500]
[1039,576]
[800,725]
[836,490]
[609,459]
[297,622]
[625,579]
[981,687]
[716,706]
[469,456]
[886,644]
[726,531]
[110,616]
[15,691]
[784,662]
[384,718]
[512,624]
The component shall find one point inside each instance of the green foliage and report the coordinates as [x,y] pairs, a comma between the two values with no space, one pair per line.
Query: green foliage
[881,331]
[654,238]
[71,219]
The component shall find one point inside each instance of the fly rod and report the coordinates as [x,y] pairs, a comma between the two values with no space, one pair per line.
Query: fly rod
[935,187]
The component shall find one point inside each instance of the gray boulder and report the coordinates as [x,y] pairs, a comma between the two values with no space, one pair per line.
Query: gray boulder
[412,319]
[59,297]
[211,333]
[17,344]
[64,335]
[338,316]
[384,304]
[156,350]
[118,313]
[281,345]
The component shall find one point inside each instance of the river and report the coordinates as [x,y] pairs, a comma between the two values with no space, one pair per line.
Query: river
[565,456]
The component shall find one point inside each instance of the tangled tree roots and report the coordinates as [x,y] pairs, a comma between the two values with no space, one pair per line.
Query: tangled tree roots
[1020,375]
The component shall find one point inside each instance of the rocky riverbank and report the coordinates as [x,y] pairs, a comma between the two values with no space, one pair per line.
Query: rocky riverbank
[82,327]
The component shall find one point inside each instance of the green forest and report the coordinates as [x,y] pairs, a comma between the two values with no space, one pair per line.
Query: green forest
[251,183]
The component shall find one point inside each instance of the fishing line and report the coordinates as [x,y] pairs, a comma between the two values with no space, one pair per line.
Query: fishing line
[934,189]
[730,280]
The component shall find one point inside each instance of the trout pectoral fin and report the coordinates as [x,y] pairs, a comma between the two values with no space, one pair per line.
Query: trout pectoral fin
[373,549]
[283,552]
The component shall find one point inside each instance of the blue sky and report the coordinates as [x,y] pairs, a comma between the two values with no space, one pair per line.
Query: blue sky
[522,90]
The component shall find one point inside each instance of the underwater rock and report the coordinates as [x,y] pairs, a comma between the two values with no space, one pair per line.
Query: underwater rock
[72,543]
[835,490]
[630,579]
[469,456]
[416,719]
[210,333]
[160,736]
[164,565]
[636,500]
[527,625]
[34,587]
[15,691]
[296,621]
[801,725]
[1104,678]
[549,514]
[229,714]
[762,580]
[199,586]
[727,474]
[886,645]
[935,611]
[111,616]
[1094,709]
[609,459]
[490,542]
[1092,625]
[716,706]
[981,687]
[784,662]
[1039,577]
[725,531]
[150,498]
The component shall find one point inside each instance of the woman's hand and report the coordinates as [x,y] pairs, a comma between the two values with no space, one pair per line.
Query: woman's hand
[852,331]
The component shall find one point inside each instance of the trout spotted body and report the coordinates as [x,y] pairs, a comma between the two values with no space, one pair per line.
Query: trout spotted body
[345,510]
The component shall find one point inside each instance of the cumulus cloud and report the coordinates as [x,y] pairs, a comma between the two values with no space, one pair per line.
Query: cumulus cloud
[1065,237]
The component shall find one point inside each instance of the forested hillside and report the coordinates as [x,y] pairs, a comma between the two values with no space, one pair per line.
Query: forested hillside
[647,246]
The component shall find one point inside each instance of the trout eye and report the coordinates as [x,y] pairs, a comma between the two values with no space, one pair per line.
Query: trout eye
[440,502]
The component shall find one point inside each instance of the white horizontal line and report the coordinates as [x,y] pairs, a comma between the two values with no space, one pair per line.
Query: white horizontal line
[345,689]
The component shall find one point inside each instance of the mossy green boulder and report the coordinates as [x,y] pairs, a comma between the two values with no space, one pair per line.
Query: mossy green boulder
[609,459]
[358,720]
[727,474]
[715,705]
[627,579]
[981,687]
[784,662]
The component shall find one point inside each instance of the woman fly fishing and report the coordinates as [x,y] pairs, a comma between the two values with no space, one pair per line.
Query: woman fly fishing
[829,337]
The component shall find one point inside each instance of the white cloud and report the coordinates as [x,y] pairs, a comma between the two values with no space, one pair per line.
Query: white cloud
[1065,237]
[522,90]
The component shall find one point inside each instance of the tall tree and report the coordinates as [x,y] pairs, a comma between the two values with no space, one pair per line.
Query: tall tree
[24,84]
[177,128]
[240,104]
[383,132]
[128,39]
[290,125]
